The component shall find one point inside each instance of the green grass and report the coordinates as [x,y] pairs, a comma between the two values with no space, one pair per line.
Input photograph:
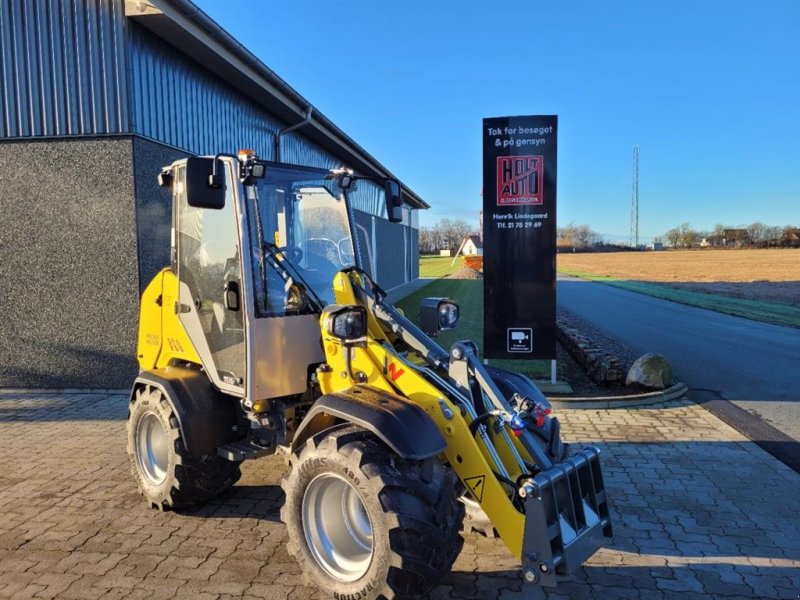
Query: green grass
[469,294]
[757,310]
[438,266]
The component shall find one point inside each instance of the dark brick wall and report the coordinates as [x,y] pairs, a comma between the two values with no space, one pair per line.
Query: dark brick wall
[69,282]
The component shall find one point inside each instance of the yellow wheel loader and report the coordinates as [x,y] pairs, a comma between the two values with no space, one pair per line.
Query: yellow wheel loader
[264,332]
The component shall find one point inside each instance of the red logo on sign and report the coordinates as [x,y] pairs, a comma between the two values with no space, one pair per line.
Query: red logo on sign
[519,180]
[394,372]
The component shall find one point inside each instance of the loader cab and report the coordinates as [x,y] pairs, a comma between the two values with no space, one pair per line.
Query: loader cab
[255,246]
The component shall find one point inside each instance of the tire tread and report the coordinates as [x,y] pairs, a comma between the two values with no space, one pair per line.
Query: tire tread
[191,480]
[423,518]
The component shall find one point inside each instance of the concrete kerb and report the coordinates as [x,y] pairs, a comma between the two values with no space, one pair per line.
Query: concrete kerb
[39,392]
[678,390]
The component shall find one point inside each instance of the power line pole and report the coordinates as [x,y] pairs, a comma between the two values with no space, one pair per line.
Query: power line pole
[634,241]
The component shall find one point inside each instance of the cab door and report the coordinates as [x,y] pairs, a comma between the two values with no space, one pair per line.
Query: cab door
[209,271]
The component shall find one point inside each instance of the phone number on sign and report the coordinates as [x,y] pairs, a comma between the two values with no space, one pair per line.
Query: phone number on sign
[519,225]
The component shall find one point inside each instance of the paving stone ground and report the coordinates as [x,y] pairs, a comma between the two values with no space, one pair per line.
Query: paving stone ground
[699,512]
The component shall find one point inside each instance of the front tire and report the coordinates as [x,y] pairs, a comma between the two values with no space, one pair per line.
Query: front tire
[365,523]
[169,476]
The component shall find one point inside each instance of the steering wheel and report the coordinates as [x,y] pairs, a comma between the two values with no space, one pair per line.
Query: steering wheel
[293,253]
[346,255]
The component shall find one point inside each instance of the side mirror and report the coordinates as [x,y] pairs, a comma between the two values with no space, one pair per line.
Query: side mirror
[394,201]
[205,185]
[165,177]
[437,314]
[232,296]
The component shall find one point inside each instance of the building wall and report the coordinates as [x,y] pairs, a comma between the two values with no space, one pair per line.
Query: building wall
[82,68]
[92,105]
[470,249]
[85,228]
[153,206]
[62,68]
[68,249]
[389,251]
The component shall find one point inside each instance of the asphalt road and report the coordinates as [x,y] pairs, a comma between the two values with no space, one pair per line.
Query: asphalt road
[755,366]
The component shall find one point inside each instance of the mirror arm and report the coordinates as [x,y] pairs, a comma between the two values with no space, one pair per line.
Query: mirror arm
[213,179]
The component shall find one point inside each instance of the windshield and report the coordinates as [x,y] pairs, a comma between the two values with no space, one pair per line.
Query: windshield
[298,217]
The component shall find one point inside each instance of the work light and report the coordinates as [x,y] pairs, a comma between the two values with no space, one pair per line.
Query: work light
[448,315]
[345,322]
[437,314]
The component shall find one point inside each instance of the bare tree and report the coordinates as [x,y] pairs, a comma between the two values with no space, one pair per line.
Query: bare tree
[773,232]
[757,232]
[673,237]
[689,236]
[428,240]
[453,232]
[445,234]
[578,236]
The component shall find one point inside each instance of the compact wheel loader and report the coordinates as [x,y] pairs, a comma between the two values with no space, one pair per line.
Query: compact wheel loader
[264,332]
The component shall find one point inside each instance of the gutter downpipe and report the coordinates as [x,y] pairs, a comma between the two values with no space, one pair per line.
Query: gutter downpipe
[283,132]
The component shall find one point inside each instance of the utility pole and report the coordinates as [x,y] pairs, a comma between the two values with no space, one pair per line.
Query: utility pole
[634,241]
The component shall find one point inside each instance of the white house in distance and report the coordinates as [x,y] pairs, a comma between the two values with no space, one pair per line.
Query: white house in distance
[472,246]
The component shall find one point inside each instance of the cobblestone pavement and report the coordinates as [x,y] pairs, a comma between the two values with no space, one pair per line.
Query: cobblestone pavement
[698,512]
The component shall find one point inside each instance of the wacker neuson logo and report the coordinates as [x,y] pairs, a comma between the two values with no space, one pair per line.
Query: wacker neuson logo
[519,180]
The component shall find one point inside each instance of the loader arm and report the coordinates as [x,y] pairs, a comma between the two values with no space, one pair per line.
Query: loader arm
[550,512]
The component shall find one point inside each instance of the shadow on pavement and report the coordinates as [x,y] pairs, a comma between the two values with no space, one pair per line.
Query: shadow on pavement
[253,501]
[700,579]
[39,406]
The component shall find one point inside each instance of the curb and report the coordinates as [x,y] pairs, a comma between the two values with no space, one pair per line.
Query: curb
[678,390]
[22,392]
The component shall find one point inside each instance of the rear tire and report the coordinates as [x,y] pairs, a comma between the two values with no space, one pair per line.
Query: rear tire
[167,475]
[403,535]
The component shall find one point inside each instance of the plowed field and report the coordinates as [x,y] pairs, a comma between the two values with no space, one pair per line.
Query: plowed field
[765,275]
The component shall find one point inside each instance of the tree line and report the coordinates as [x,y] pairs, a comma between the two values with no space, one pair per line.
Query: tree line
[448,234]
[756,234]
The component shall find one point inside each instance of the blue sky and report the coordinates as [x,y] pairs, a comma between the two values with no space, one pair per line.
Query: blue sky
[709,91]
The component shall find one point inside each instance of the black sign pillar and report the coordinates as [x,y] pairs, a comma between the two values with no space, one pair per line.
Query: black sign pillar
[519,237]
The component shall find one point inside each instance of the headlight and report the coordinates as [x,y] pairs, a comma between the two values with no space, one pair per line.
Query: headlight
[345,322]
[437,314]
[448,315]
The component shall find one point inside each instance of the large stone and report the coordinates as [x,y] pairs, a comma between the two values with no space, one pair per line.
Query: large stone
[651,371]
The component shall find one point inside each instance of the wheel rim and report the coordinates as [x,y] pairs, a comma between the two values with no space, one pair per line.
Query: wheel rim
[337,527]
[152,448]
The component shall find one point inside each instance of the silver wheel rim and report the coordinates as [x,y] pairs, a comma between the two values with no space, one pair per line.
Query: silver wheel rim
[337,527]
[152,449]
